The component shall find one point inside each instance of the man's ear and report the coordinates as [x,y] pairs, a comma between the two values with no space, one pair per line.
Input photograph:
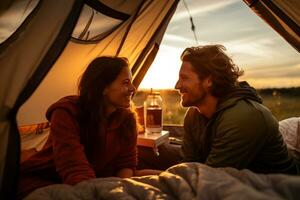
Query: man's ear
[208,82]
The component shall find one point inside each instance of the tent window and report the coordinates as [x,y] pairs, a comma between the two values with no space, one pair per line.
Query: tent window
[14,16]
[93,25]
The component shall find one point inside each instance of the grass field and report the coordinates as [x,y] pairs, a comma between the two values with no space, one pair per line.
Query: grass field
[283,103]
[283,107]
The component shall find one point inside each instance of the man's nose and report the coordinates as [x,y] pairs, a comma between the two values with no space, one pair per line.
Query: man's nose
[177,85]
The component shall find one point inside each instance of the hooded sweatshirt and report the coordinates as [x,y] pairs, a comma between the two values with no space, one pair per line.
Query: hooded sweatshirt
[242,133]
[63,159]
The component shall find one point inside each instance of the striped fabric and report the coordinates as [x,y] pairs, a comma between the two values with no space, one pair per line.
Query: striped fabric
[33,128]
[34,136]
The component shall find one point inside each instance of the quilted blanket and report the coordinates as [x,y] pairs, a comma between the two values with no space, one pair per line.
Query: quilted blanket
[184,181]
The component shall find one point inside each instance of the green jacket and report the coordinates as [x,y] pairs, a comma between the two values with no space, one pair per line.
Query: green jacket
[242,133]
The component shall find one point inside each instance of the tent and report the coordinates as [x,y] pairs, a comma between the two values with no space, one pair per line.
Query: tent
[65,36]
[47,51]
[282,16]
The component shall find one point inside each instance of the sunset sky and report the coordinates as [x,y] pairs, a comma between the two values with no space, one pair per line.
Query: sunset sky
[267,59]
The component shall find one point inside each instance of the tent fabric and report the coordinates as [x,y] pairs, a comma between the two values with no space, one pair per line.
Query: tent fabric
[118,14]
[282,16]
[5,5]
[146,65]
[21,55]
[20,11]
[88,30]
[45,40]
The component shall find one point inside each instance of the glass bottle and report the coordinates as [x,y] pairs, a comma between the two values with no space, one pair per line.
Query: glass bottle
[153,112]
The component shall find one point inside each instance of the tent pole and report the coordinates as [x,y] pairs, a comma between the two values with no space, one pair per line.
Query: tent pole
[129,27]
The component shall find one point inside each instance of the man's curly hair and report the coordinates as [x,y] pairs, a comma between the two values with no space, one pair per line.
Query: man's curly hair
[212,61]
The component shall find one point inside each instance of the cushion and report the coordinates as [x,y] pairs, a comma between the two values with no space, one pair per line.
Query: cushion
[34,136]
[290,130]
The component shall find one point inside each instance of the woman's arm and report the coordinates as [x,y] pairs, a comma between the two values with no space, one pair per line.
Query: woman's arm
[125,173]
[146,172]
[127,159]
[69,157]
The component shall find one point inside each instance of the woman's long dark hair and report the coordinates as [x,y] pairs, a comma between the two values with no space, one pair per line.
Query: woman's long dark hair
[101,72]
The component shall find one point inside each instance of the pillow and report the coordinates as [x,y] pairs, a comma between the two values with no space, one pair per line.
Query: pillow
[34,136]
[33,128]
[290,130]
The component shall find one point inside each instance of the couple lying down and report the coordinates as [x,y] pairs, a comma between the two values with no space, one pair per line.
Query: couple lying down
[94,134]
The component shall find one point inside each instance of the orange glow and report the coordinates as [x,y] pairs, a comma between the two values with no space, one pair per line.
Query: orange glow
[163,73]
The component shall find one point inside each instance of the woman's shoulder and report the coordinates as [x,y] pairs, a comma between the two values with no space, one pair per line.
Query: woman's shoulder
[67,103]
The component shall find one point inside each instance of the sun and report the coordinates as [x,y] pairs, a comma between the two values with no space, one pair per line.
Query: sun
[163,72]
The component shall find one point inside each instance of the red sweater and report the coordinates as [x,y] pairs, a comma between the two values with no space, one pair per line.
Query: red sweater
[63,159]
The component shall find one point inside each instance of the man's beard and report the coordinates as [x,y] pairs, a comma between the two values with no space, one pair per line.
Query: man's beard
[195,102]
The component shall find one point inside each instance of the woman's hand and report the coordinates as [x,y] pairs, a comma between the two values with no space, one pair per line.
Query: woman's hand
[146,172]
[125,173]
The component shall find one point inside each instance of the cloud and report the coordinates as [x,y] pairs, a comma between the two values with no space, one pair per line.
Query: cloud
[180,41]
[257,51]
[198,9]
[286,70]
[251,48]
[280,76]
[277,82]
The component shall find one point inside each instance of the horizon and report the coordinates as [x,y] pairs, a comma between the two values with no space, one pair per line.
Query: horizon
[170,89]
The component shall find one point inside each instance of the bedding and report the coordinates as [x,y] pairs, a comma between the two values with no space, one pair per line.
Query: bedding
[290,130]
[184,181]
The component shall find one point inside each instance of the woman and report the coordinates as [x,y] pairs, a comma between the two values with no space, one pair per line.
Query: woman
[92,135]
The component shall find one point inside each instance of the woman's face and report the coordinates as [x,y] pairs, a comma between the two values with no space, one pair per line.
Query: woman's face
[119,92]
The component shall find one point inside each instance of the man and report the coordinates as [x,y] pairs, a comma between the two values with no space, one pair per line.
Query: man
[226,124]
